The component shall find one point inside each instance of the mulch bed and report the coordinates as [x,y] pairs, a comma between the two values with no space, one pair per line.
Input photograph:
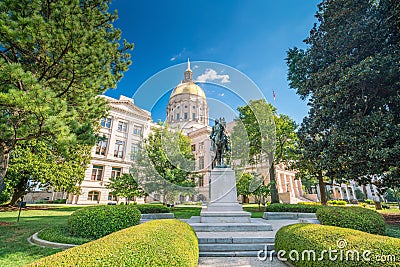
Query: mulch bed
[393,219]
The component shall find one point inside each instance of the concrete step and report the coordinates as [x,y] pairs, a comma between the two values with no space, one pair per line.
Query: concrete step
[230,227]
[233,254]
[235,247]
[237,240]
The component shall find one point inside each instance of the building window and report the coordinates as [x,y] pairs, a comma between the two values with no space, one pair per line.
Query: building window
[194,107]
[134,151]
[97,173]
[137,130]
[101,148]
[178,116]
[119,149]
[185,116]
[94,196]
[201,181]
[112,197]
[122,126]
[201,162]
[193,147]
[116,172]
[106,123]
[201,146]
[185,106]
[193,116]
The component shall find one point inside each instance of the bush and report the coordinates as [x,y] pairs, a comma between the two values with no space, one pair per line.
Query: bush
[337,202]
[155,243]
[98,221]
[321,239]
[310,203]
[58,201]
[277,207]
[152,208]
[357,218]
[369,202]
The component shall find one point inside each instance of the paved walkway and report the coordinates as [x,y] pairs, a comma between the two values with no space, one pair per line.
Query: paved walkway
[239,262]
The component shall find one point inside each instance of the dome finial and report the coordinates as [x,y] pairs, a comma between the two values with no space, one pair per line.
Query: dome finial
[188,64]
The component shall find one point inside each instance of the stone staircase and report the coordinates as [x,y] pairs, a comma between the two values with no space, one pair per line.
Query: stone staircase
[233,239]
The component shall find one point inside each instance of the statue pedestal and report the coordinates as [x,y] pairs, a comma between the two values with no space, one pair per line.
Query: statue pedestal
[223,206]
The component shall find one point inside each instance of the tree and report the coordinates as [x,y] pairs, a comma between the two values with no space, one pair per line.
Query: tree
[350,75]
[35,162]
[270,139]
[261,194]
[125,186]
[243,185]
[56,57]
[165,163]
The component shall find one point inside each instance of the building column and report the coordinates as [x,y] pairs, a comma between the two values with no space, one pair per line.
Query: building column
[347,193]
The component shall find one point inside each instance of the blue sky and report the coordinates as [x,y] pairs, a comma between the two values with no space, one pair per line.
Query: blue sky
[248,41]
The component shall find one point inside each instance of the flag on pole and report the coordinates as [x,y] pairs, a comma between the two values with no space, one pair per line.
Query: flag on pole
[273,93]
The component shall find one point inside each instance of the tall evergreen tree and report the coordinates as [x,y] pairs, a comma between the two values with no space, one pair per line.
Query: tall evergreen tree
[56,57]
[350,75]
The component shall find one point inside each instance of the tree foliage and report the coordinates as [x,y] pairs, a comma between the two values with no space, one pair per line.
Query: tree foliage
[56,57]
[35,163]
[262,138]
[165,164]
[125,186]
[350,75]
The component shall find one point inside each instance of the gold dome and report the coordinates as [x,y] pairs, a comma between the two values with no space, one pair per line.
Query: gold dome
[188,88]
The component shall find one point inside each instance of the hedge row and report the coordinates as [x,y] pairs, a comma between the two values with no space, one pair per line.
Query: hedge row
[152,208]
[337,202]
[357,218]
[307,239]
[155,243]
[278,207]
[97,221]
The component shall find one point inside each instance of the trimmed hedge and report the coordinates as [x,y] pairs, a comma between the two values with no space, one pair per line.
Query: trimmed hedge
[337,202]
[155,243]
[278,207]
[152,208]
[97,221]
[321,239]
[357,218]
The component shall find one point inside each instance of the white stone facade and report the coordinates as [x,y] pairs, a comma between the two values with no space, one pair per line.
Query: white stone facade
[124,127]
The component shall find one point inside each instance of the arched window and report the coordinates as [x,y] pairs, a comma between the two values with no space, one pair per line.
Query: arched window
[94,196]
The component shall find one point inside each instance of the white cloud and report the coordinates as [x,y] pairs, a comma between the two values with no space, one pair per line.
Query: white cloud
[222,94]
[212,75]
[178,55]
[195,67]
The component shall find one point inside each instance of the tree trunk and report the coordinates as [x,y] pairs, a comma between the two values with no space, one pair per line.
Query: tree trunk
[4,156]
[364,188]
[322,189]
[272,179]
[19,191]
[378,205]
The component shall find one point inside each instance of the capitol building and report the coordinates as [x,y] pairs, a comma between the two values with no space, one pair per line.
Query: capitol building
[127,124]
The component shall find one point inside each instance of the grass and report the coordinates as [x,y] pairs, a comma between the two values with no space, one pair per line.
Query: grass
[60,234]
[393,230]
[185,212]
[14,248]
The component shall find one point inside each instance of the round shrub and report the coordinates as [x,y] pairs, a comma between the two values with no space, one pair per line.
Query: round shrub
[278,207]
[98,221]
[318,240]
[155,243]
[152,208]
[357,218]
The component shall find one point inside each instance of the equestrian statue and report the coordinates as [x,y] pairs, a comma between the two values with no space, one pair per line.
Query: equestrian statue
[220,142]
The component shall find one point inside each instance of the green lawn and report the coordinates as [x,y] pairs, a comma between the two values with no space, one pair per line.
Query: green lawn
[14,247]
